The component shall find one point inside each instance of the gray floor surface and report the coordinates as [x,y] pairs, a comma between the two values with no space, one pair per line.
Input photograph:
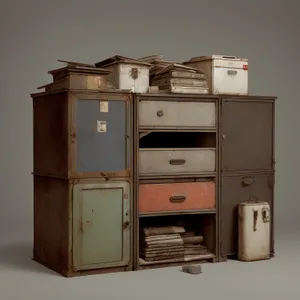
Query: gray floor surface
[22,279]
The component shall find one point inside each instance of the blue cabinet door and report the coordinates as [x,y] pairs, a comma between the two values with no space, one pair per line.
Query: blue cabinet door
[101,136]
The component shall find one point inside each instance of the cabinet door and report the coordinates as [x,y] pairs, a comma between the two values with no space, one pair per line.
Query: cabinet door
[102,132]
[237,189]
[247,134]
[101,219]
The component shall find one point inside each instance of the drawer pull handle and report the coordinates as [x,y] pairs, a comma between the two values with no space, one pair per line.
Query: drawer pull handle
[231,72]
[177,162]
[247,180]
[177,199]
[160,113]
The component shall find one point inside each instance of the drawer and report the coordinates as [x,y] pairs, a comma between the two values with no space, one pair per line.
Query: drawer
[176,196]
[174,162]
[169,114]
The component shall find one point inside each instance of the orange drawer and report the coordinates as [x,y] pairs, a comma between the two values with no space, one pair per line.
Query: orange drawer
[176,196]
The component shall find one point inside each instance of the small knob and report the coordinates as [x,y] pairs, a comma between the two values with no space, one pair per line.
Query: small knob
[160,113]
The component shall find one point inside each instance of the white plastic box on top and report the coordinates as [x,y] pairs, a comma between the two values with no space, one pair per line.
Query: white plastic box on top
[127,73]
[226,75]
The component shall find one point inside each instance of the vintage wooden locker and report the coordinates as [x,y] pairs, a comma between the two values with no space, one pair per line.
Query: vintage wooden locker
[235,189]
[247,134]
[83,226]
[79,134]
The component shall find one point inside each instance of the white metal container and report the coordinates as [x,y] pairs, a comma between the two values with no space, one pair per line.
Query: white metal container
[254,231]
[227,75]
[127,73]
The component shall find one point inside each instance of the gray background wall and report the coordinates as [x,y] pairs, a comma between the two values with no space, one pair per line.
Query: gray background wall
[34,34]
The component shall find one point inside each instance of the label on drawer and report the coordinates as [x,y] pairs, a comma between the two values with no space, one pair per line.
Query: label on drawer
[103,106]
[101,126]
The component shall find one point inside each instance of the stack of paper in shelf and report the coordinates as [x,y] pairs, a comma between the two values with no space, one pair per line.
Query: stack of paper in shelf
[193,245]
[162,243]
[172,77]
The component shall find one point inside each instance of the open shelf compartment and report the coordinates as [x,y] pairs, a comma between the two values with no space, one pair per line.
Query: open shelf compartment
[176,239]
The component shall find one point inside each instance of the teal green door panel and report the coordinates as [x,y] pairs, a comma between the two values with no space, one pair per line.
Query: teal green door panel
[101,235]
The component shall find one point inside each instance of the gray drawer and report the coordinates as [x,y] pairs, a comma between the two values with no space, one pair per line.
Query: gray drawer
[174,162]
[169,114]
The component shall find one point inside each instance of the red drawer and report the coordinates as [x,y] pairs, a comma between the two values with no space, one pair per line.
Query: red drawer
[176,196]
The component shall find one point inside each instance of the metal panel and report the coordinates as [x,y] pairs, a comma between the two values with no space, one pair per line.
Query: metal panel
[50,136]
[101,222]
[234,190]
[51,223]
[175,162]
[101,136]
[247,134]
[169,114]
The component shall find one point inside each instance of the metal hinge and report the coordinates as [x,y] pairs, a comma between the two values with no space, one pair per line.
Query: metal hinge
[74,181]
[272,181]
[73,136]
[273,162]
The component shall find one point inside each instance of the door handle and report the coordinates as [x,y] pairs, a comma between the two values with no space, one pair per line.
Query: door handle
[247,181]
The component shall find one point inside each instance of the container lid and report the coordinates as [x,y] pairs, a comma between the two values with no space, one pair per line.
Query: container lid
[225,57]
[76,67]
[151,58]
[84,70]
[177,67]
[253,202]
[120,59]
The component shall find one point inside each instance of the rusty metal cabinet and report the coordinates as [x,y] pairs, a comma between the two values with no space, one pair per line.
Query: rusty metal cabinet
[247,134]
[83,226]
[247,164]
[108,163]
[83,181]
[82,134]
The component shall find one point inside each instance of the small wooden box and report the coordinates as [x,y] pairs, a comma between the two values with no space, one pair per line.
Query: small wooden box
[77,78]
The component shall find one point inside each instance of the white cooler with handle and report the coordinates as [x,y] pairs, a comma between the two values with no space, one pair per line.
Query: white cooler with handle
[254,230]
[226,75]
